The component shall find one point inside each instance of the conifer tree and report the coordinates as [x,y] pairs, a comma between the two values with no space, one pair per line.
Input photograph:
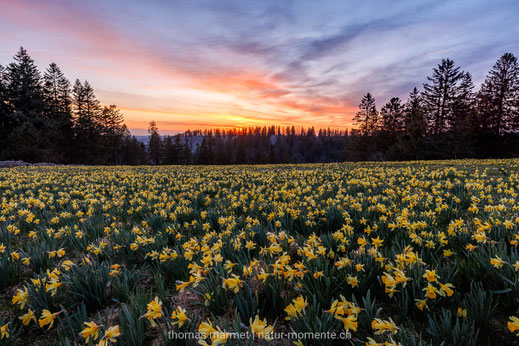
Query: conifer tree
[498,99]
[87,129]
[57,99]
[24,86]
[392,114]
[57,94]
[367,116]
[27,127]
[154,144]
[415,126]
[439,95]
[5,109]
[114,130]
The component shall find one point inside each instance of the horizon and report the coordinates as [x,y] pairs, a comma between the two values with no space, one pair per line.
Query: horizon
[202,64]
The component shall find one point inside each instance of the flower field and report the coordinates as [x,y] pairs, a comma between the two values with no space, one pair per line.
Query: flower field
[414,253]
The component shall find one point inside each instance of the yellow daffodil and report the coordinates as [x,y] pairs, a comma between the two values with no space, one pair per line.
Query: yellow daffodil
[513,324]
[4,331]
[384,326]
[261,328]
[90,331]
[233,283]
[154,310]
[47,318]
[179,315]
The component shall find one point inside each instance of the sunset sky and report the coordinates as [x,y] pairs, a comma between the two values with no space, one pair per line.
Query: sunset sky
[200,64]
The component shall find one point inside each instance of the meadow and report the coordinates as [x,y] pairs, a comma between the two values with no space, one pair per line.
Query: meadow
[410,253]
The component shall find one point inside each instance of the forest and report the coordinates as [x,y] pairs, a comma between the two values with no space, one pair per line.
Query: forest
[46,118]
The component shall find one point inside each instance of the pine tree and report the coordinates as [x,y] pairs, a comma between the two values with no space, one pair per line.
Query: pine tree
[24,86]
[133,151]
[92,107]
[114,131]
[392,114]
[205,151]
[367,117]
[111,119]
[87,129]
[154,144]
[179,145]
[56,92]
[462,123]
[439,95]
[203,155]
[415,125]
[187,154]
[463,106]
[57,98]
[78,99]
[498,99]
[5,109]
[27,128]
[171,150]
[414,109]
[85,105]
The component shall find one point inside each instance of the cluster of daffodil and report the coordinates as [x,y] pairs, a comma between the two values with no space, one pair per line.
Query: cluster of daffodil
[346,312]
[91,332]
[379,250]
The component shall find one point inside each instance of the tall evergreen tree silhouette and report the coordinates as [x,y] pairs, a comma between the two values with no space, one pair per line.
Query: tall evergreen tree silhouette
[154,144]
[5,109]
[463,120]
[439,95]
[86,111]
[367,116]
[392,114]
[24,86]
[57,98]
[415,126]
[27,126]
[114,130]
[499,96]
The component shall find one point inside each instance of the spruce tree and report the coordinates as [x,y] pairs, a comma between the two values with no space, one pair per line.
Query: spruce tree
[57,94]
[87,129]
[113,130]
[5,109]
[392,114]
[415,125]
[57,99]
[367,116]
[92,106]
[498,99]
[24,86]
[462,123]
[27,132]
[78,98]
[439,95]
[154,144]
[463,107]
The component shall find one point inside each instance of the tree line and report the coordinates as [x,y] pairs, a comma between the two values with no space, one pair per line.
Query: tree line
[252,145]
[45,118]
[448,119]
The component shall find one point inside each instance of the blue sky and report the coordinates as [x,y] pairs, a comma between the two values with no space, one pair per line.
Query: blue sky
[199,64]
